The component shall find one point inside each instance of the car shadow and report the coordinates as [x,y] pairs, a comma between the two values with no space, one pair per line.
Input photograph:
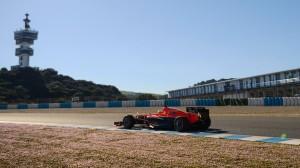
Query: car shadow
[210,130]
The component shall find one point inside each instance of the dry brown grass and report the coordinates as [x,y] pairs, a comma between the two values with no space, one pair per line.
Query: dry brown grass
[41,146]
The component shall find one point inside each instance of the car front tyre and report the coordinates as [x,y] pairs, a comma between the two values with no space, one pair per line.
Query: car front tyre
[128,121]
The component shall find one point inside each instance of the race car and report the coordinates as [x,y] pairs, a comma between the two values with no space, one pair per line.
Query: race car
[170,119]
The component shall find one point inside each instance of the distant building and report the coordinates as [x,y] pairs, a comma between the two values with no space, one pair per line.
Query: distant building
[276,84]
[24,39]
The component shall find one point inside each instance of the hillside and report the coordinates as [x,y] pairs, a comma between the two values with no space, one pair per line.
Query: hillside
[142,96]
[34,85]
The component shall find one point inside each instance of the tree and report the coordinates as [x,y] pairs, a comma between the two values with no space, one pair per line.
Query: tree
[21,92]
[32,80]
[3,70]
[30,84]
[49,74]
[56,89]
[146,96]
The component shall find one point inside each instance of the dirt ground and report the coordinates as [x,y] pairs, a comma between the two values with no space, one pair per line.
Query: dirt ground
[42,146]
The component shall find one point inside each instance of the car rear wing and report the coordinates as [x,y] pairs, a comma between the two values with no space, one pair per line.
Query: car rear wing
[204,112]
[197,109]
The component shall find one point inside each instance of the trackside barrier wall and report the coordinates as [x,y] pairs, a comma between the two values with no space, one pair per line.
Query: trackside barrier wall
[157,103]
[32,106]
[142,103]
[129,103]
[291,101]
[22,106]
[295,101]
[90,104]
[232,102]
[259,101]
[115,103]
[285,101]
[77,105]
[205,102]
[65,105]
[3,106]
[54,105]
[12,106]
[273,101]
[102,104]
[43,105]
[251,101]
[172,102]
[188,102]
[255,101]
[298,101]
[266,101]
[212,102]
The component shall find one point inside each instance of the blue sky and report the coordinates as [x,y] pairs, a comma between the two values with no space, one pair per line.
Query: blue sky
[156,45]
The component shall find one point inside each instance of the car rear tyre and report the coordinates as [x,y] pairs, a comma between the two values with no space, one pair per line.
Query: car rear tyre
[128,121]
[181,124]
[205,124]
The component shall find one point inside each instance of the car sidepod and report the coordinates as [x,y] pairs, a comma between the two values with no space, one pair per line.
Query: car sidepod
[161,122]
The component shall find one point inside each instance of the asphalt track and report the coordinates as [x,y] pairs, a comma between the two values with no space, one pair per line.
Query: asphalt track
[274,126]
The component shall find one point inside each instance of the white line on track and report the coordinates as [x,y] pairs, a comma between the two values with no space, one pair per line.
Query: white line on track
[218,135]
[254,138]
[291,142]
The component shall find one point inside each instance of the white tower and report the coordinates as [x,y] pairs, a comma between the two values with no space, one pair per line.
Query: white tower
[24,39]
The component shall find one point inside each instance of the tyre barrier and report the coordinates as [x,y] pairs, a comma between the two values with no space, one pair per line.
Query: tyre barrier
[142,103]
[32,106]
[266,101]
[255,101]
[232,102]
[157,103]
[90,104]
[172,102]
[22,106]
[274,101]
[130,103]
[43,105]
[102,104]
[206,102]
[77,104]
[291,101]
[54,105]
[188,102]
[3,106]
[116,103]
[65,105]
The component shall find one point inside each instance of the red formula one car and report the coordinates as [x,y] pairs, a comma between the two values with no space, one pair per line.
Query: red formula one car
[170,118]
